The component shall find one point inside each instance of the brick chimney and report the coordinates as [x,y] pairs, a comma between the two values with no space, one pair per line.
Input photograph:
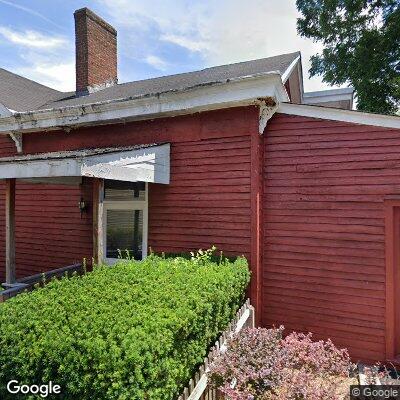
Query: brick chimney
[96,52]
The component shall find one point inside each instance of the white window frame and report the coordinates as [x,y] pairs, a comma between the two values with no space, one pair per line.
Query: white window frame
[142,205]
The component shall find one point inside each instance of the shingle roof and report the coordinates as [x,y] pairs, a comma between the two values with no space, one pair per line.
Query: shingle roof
[21,94]
[44,98]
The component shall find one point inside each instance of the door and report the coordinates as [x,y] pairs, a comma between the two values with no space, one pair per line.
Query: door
[392,246]
[125,220]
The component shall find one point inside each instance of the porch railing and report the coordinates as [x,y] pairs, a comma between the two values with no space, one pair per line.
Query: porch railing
[27,283]
[198,387]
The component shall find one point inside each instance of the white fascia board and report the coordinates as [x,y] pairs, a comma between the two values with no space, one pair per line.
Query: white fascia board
[40,168]
[325,99]
[148,165]
[301,79]
[105,171]
[327,92]
[218,95]
[328,95]
[334,114]
[290,69]
[129,157]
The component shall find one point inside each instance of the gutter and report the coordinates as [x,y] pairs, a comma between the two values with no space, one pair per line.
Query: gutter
[210,96]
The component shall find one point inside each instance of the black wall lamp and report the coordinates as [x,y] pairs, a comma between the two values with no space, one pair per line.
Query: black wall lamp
[82,206]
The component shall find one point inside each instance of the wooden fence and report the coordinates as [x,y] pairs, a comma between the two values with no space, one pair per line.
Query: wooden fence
[29,282]
[198,387]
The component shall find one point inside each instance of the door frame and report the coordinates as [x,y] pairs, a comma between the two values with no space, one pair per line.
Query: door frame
[142,205]
[392,255]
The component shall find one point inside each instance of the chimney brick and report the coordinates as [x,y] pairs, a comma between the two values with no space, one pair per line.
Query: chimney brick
[96,52]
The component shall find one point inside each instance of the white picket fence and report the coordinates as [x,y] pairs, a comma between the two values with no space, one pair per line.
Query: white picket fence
[198,387]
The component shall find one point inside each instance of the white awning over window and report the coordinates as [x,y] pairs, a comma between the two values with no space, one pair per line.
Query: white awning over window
[149,163]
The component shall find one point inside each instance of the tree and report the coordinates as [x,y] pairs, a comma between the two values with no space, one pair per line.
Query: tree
[361,47]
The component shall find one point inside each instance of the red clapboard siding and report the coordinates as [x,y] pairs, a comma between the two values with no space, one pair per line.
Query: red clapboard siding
[324,253]
[207,202]
[50,232]
[7,146]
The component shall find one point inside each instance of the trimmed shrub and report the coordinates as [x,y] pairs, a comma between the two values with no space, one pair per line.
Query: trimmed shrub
[216,258]
[133,331]
[261,364]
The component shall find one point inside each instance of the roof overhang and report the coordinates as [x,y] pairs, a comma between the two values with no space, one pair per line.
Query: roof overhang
[289,70]
[211,96]
[335,114]
[140,163]
[324,96]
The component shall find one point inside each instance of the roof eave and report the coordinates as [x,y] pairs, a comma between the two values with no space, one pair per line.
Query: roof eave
[335,114]
[211,96]
[290,68]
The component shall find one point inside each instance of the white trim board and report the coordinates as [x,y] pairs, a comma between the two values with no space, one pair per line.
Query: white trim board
[290,69]
[334,114]
[135,204]
[148,164]
[328,95]
[215,95]
[339,91]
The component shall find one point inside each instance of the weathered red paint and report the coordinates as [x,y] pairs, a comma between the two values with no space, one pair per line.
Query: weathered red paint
[256,255]
[206,203]
[392,223]
[324,229]
[50,231]
[312,224]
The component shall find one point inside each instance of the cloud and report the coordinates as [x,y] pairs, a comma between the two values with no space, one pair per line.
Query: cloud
[29,11]
[44,58]
[186,42]
[172,36]
[55,69]
[60,76]
[156,62]
[32,39]
[218,32]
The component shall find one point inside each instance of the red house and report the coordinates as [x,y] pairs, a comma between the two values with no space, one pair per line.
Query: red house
[237,156]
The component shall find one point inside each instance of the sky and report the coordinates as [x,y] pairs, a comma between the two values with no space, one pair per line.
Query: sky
[155,38]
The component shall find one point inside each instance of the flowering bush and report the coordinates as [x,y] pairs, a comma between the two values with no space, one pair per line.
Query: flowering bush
[261,364]
[378,374]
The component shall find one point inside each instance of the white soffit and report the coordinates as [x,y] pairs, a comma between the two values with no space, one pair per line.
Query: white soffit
[132,164]
[335,114]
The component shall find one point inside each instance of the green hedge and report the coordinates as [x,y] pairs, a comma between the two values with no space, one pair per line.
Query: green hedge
[216,258]
[133,331]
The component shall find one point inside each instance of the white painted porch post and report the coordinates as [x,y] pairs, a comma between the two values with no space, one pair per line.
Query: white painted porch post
[98,204]
[10,231]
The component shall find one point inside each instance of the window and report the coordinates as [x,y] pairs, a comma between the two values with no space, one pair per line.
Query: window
[124,191]
[125,220]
